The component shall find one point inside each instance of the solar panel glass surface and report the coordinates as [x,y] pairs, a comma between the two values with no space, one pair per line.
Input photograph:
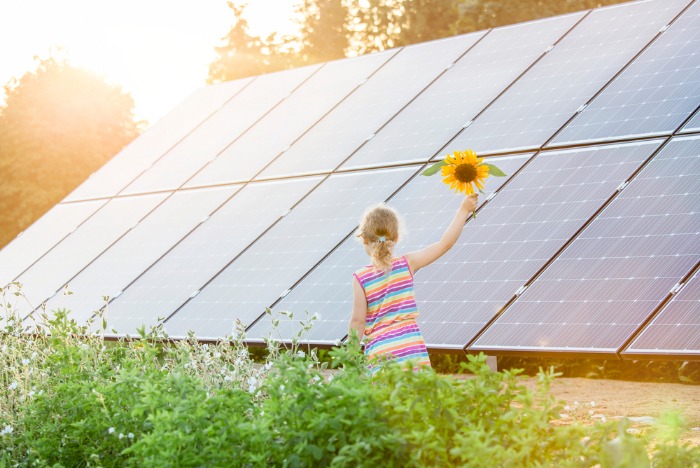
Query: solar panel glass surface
[540,102]
[369,107]
[438,114]
[203,253]
[285,253]
[76,251]
[653,96]
[693,125]
[427,207]
[131,255]
[38,238]
[676,328]
[123,168]
[514,236]
[220,130]
[289,120]
[607,282]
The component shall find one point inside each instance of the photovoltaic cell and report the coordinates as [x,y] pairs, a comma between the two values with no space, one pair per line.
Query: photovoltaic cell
[607,282]
[676,329]
[285,253]
[426,124]
[203,253]
[549,94]
[131,255]
[653,96]
[289,120]
[693,125]
[514,236]
[119,171]
[73,253]
[46,232]
[359,116]
[220,130]
[427,207]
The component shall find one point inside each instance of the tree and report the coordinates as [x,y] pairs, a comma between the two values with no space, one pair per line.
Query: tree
[58,125]
[324,30]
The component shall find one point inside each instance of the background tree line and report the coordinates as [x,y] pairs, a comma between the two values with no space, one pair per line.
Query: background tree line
[60,123]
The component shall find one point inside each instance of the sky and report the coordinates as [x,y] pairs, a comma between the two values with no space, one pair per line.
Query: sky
[158,50]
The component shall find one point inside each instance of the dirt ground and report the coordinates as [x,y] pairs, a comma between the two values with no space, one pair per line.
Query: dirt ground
[639,401]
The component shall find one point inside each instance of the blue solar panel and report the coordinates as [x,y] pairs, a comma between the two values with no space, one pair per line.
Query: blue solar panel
[538,104]
[607,282]
[438,114]
[427,207]
[76,251]
[112,271]
[38,239]
[119,171]
[202,254]
[693,125]
[289,120]
[219,131]
[364,112]
[676,328]
[515,235]
[285,253]
[653,96]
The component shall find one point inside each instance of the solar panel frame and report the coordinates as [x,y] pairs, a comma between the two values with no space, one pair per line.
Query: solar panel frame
[497,338]
[157,140]
[359,117]
[674,331]
[541,102]
[427,208]
[280,258]
[290,120]
[35,241]
[48,275]
[693,124]
[220,130]
[203,253]
[477,78]
[117,267]
[652,96]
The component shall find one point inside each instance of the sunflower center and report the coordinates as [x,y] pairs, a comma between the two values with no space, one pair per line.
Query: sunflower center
[465,173]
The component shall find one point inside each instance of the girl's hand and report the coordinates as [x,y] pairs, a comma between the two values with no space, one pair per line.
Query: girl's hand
[469,203]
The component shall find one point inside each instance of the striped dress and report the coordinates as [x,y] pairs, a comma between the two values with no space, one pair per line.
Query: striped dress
[391,330]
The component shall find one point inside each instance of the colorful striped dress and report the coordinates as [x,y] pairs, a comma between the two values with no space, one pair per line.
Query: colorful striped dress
[391,330]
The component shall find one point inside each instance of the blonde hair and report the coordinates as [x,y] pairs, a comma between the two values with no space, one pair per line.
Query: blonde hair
[379,229]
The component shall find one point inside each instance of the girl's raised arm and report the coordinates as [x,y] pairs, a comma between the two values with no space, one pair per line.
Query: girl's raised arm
[427,255]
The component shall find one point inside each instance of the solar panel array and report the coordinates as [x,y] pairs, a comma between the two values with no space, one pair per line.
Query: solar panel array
[246,196]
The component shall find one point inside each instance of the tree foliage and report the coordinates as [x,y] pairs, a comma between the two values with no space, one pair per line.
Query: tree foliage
[59,124]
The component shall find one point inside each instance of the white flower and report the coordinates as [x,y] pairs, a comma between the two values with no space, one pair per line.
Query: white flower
[121,436]
[31,394]
[282,387]
[301,354]
[590,412]
[217,355]
[268,366]
[110,430]
[130,435]
[567,407]
[25,361]
[6,430]
[316,378]
[593,403]
[13,385]
[603,419]
[227,378]
[576,403]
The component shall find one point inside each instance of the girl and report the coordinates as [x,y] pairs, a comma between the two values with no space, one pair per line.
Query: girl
[384,308]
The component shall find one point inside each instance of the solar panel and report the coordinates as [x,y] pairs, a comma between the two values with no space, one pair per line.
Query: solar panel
[653,96]
[289,120]
[130,256]
[364,112]
[538,104]
[285,253]
[202,254]
[46,232]
[693,125]
[437,114]
[526,223]
[676,329]
[220,130]
[73,253]
[427,207]
[119,171]
[606,283]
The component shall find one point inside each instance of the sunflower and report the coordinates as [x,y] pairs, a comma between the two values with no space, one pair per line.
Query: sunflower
[462,171]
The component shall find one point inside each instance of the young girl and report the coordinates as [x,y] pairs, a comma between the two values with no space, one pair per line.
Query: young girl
[384,308]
